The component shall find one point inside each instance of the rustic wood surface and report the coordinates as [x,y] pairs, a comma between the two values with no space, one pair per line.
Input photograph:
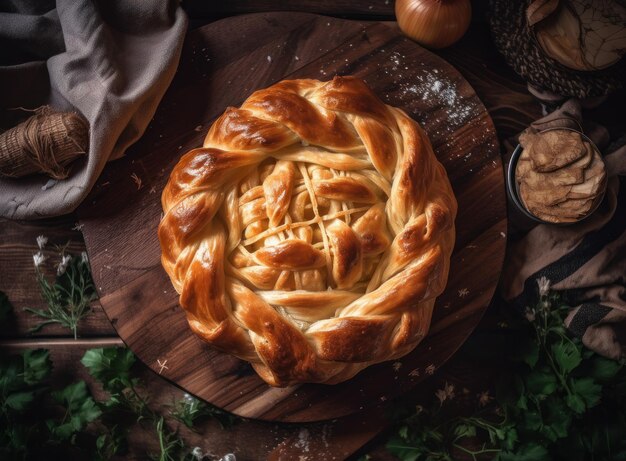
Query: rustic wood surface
[511,107]
[120,218]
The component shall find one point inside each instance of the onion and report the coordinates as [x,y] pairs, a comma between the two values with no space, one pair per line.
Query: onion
[434,23]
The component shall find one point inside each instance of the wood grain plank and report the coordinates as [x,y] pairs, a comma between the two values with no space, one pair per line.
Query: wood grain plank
[120,220]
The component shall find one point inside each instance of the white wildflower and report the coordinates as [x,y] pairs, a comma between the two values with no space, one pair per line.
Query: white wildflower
[530,314]
[41,241]
[197,453]
[430,369]
[447,393]
[544,285]
[38,258]
[484,398]
[62,266]
[84,258]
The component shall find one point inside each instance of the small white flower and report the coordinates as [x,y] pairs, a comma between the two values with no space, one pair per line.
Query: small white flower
[38,258]
[197,453]
[530,314]
[84,258]
[62,266]
[463,292]
[41,241]
[544,285]
[484,398]
[430,369]
[447,393]
[396,366]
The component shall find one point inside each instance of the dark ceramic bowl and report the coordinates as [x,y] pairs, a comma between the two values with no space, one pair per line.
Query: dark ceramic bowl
[513,186]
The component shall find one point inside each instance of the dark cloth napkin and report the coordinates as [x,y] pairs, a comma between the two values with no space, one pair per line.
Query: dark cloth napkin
[110,60]
[586,262]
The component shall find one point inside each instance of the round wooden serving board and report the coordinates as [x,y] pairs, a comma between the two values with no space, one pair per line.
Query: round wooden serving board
[221,65]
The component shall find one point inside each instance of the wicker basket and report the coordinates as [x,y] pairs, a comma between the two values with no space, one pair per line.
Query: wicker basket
[515,40]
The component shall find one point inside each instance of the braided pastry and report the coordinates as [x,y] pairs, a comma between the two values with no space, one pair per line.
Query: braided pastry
[311,233]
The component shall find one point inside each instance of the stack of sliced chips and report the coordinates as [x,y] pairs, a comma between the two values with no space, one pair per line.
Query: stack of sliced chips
[560,176]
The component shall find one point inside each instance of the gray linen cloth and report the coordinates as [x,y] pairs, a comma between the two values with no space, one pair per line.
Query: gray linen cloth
[110,60]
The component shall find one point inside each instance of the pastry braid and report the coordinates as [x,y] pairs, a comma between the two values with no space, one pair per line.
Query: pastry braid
[311,233]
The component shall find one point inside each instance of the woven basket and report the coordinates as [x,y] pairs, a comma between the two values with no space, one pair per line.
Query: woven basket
[515,40]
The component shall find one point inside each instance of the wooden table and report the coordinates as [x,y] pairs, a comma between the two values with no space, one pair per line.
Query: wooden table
[511,107]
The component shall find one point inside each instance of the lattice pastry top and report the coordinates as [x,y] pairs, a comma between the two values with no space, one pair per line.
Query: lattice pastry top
[311,233]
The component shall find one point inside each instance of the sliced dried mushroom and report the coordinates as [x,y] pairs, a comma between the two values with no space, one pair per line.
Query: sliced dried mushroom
[555,149]
[522,168]
[557,178]
[560,177]
[544,196]
[584,161]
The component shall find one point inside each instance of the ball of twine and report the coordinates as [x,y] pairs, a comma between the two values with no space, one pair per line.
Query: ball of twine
[46,143]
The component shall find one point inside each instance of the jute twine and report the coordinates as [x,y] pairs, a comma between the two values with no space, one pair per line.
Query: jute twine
[45,143]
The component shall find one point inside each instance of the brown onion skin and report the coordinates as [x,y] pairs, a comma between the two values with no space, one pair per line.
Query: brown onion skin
[434,23]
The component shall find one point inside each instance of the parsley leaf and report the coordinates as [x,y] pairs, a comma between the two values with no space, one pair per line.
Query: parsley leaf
[80,409]
[541,382]
[19,400]
[567,356]
[587,390]
[528,452]
[404,451]
[110,366]
[37,366]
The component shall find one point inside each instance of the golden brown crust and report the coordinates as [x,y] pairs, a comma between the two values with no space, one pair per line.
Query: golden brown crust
[312,232]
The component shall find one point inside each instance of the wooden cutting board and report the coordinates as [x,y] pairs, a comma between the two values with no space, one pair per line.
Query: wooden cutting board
[222,63]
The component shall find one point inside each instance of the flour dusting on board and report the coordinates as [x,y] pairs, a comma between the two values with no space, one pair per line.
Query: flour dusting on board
[303,442]
[439,91]
[418,83]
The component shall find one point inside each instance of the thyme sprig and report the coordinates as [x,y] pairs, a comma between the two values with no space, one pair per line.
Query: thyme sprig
[69,296]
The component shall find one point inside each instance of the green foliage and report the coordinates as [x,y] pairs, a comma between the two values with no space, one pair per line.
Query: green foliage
[556,401]
[79,407]
[69,296]
[37,422]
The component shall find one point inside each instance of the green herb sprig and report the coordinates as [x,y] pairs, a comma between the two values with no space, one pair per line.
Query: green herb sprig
[40,421]
[556,400]
[68,298]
